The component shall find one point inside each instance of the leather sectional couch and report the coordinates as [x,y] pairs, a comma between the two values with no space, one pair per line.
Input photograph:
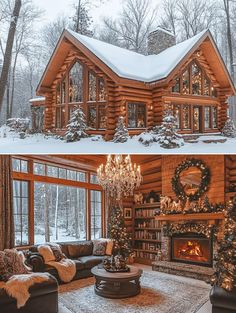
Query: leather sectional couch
[222,300]
[43,299]
[79,251]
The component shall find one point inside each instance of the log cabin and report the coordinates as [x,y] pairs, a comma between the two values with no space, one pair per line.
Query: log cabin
[108,81]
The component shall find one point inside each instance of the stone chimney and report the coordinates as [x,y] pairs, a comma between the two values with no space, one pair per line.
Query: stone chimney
[160,40]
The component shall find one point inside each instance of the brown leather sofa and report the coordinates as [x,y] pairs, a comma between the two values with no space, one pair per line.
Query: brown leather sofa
[222,300]
[43,299]
[79,251]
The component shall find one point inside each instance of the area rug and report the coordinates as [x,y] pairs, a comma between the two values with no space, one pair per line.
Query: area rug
[161,293]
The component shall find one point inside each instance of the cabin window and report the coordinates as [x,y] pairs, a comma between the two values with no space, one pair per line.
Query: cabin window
[176,87]
[76,83]
[214,117]
[177,112]
[19,165]
[60,117]
[207,117]
[58,93]
[92,87]
[63,91]
[196,79]
[92,117]
[186,82]
[206,86]
[102,117]
[21,212]
[96,214]
[213,92]
[186,116]
[193,80]
[101,90]
[136,115]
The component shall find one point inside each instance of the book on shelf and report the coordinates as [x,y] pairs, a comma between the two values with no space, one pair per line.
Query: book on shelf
[145,255]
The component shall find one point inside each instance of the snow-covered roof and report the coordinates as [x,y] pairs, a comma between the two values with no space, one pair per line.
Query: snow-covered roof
[132,65]
[39,99]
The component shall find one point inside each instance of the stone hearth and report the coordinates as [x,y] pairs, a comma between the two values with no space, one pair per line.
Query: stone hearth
[182,269]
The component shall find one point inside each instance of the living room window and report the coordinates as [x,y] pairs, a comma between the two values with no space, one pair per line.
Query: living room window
[21,212]
[96,214]
[59,213]
[136,115]
[57,206]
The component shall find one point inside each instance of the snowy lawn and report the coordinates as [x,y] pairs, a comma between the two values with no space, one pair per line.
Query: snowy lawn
[38,143]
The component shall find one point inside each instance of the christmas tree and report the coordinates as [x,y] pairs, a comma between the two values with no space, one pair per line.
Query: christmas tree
[118,232]
[168,137]
[121,134]
[229,130]
[225,275]
[76,129]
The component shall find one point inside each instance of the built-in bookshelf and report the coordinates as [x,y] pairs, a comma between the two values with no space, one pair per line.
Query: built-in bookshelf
[146,233]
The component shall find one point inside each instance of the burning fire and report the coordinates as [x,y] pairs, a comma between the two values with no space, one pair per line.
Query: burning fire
[191,248]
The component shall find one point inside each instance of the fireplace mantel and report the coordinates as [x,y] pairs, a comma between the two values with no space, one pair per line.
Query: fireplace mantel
[190,217]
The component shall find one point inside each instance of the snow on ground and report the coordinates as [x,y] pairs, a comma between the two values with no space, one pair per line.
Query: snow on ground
[39,144]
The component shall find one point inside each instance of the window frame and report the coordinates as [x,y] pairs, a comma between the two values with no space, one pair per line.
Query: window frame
[31,178]
[203,77]
[85,104]
[127,114]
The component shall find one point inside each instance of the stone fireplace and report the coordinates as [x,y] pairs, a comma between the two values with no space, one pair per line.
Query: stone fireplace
[192,248]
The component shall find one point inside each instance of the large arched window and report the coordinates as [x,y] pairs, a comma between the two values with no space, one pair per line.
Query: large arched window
[76,83]
[193,80]
[81,87]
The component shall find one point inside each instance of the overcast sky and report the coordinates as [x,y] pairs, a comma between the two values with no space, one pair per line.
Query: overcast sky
[54,8]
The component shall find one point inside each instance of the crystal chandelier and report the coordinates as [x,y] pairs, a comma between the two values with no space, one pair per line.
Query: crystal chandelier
[119,177]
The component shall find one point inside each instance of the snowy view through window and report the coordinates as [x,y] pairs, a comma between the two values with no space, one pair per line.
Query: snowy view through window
[60,210]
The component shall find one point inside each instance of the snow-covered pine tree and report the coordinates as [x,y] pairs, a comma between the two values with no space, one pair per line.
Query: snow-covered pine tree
[76,129]
[168,137]
[229,130]
[121,134]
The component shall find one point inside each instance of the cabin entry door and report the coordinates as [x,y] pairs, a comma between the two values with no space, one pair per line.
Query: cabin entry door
[197,119]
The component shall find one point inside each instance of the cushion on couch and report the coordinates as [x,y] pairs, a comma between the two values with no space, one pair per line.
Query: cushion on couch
[110,244]
[91,261]
[80,249]
[99,247]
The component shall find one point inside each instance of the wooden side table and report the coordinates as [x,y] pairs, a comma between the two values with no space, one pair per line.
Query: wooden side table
[117,285]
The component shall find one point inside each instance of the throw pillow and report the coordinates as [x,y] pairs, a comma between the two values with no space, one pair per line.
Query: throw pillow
[11,263]
[46,252]
[99,247]
[56,250]
[110,244]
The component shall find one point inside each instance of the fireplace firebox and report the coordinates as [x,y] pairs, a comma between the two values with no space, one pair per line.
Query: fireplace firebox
[192,248]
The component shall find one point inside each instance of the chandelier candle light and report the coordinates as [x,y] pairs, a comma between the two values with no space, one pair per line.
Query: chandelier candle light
[119,177]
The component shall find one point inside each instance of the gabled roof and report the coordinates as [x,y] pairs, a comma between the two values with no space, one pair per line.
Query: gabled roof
[132,65]
[126,64]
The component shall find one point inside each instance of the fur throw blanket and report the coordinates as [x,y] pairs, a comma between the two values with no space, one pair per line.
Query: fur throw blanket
[18,286]
[66,268]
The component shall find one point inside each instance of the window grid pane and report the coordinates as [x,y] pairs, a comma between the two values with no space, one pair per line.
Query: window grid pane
[21,212]
[96,214]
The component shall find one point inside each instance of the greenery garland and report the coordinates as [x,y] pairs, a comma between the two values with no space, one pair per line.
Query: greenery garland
[205,179]
[207,230]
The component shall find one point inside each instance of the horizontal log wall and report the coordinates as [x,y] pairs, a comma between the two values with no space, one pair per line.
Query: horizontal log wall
[216,191]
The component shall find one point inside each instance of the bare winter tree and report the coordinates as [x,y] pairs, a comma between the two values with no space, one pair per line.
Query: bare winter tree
[8,50]
[82,21]
[52,32]
[229,34]
[170,18]
[133,25]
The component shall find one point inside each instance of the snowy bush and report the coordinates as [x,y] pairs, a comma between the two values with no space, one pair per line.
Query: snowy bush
[18,124]
[168,138]
[146,138]
[121,134]
[76,129]
[229,130]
